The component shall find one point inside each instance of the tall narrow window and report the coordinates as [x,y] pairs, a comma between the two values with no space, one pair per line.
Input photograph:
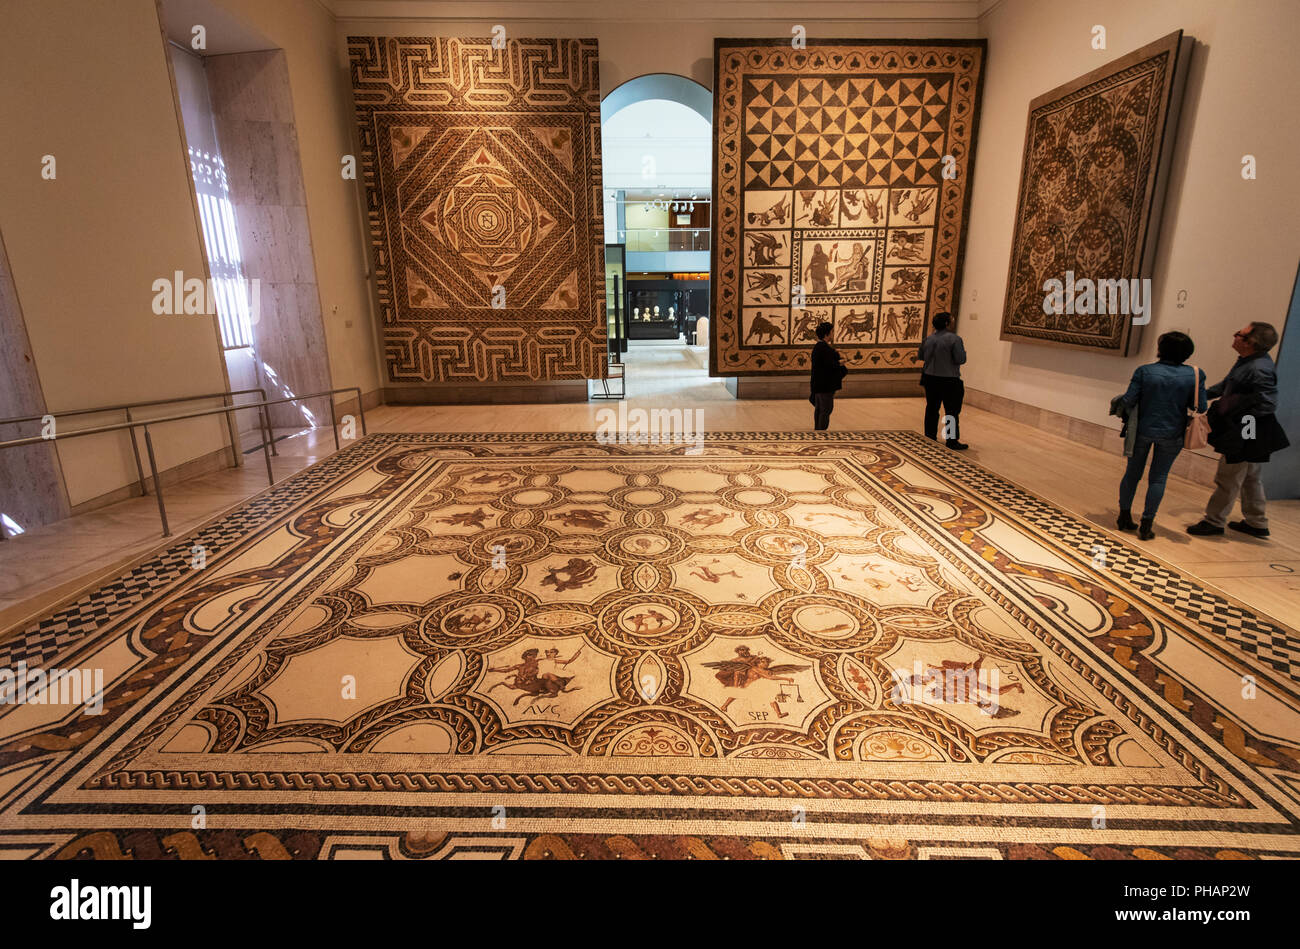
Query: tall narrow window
[222,245]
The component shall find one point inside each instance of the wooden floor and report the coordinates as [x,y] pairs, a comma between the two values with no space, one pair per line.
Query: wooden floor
[47,565]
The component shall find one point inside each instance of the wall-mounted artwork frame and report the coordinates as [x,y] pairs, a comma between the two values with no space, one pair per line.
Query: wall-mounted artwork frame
[482,172]
[1092,187]
[843,169]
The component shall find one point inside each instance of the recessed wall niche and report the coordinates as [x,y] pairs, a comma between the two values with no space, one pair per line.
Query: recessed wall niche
[252,111]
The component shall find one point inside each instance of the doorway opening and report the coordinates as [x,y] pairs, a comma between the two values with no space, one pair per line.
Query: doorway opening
[657,150]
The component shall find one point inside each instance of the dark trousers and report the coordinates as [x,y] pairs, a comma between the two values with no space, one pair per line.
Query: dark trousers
[948,390]
[823,405]
[1166,450]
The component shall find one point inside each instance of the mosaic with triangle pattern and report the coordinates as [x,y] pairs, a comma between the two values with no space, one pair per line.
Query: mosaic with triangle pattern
[842,171]
[482,173]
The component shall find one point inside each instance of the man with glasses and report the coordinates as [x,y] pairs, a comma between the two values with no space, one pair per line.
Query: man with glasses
[1244,431]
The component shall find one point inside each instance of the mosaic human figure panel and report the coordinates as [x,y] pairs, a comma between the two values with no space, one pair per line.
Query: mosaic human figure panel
[841,176]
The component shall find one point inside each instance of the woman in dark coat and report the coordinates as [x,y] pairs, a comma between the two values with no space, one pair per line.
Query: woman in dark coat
[828,373]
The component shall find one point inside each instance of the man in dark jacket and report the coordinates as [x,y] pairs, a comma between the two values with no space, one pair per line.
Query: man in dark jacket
[942,354]
[828,374]
[1244,431]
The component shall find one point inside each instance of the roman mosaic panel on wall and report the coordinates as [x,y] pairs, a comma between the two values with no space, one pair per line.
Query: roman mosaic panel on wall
[841,171]
[1091,183]
[482,173]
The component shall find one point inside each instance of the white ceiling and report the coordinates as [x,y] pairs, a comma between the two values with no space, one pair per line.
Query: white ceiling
[226,33]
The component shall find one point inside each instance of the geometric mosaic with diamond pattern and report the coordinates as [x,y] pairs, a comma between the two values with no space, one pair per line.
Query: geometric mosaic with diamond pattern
[482,177]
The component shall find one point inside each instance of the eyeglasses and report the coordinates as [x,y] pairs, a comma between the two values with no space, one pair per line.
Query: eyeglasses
[1240,335]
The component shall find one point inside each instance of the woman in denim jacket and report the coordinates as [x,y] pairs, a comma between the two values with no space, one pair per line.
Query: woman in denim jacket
[1162,393]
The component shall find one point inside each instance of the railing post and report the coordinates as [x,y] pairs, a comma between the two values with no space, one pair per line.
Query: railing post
[266,424]
[135,450]
[232,428]
[361,411]
[266,453]
[157,482]
[334,422]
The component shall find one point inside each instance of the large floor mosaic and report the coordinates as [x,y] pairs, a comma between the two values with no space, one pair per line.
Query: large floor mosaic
[842,174]
[482,170]
[779,645]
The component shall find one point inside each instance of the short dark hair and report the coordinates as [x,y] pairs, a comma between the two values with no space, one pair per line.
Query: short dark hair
[1262,336]
[941,320]
[1175,347]
[824,330]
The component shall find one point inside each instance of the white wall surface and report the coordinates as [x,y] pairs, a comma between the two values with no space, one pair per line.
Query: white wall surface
[88,82]
[1231,244]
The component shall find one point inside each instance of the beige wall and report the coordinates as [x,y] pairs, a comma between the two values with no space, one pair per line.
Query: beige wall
[645,215]
[322,110]
[1232,244]
[88,82]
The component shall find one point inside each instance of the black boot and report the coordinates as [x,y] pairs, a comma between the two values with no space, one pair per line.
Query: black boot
[1125,520]
[1144,529]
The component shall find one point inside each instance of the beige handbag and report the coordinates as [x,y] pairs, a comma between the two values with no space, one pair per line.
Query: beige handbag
[1197,434]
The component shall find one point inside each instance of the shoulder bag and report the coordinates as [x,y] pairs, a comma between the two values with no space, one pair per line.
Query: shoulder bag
[1197,434]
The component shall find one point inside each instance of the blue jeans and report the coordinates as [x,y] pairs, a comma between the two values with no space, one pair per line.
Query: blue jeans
[1166,450]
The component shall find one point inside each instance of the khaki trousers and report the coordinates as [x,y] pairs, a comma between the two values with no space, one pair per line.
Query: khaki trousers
[1230,481]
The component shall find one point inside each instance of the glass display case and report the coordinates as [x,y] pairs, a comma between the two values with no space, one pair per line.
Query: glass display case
[662,308]
[615,291]
[654,310]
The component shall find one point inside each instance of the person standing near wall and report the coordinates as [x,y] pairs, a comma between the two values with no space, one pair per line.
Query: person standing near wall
[828,373]
[1162,392]
[942,354]
[1245,432]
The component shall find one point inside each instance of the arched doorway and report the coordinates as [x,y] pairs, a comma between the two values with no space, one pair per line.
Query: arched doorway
[657,151]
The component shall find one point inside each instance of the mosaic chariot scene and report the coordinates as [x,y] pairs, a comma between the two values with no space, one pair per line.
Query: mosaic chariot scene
[647,431]
[598,641]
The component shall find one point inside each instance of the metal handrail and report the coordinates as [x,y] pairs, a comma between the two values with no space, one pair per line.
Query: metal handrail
[138,405]
[128,406]
[148,439]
